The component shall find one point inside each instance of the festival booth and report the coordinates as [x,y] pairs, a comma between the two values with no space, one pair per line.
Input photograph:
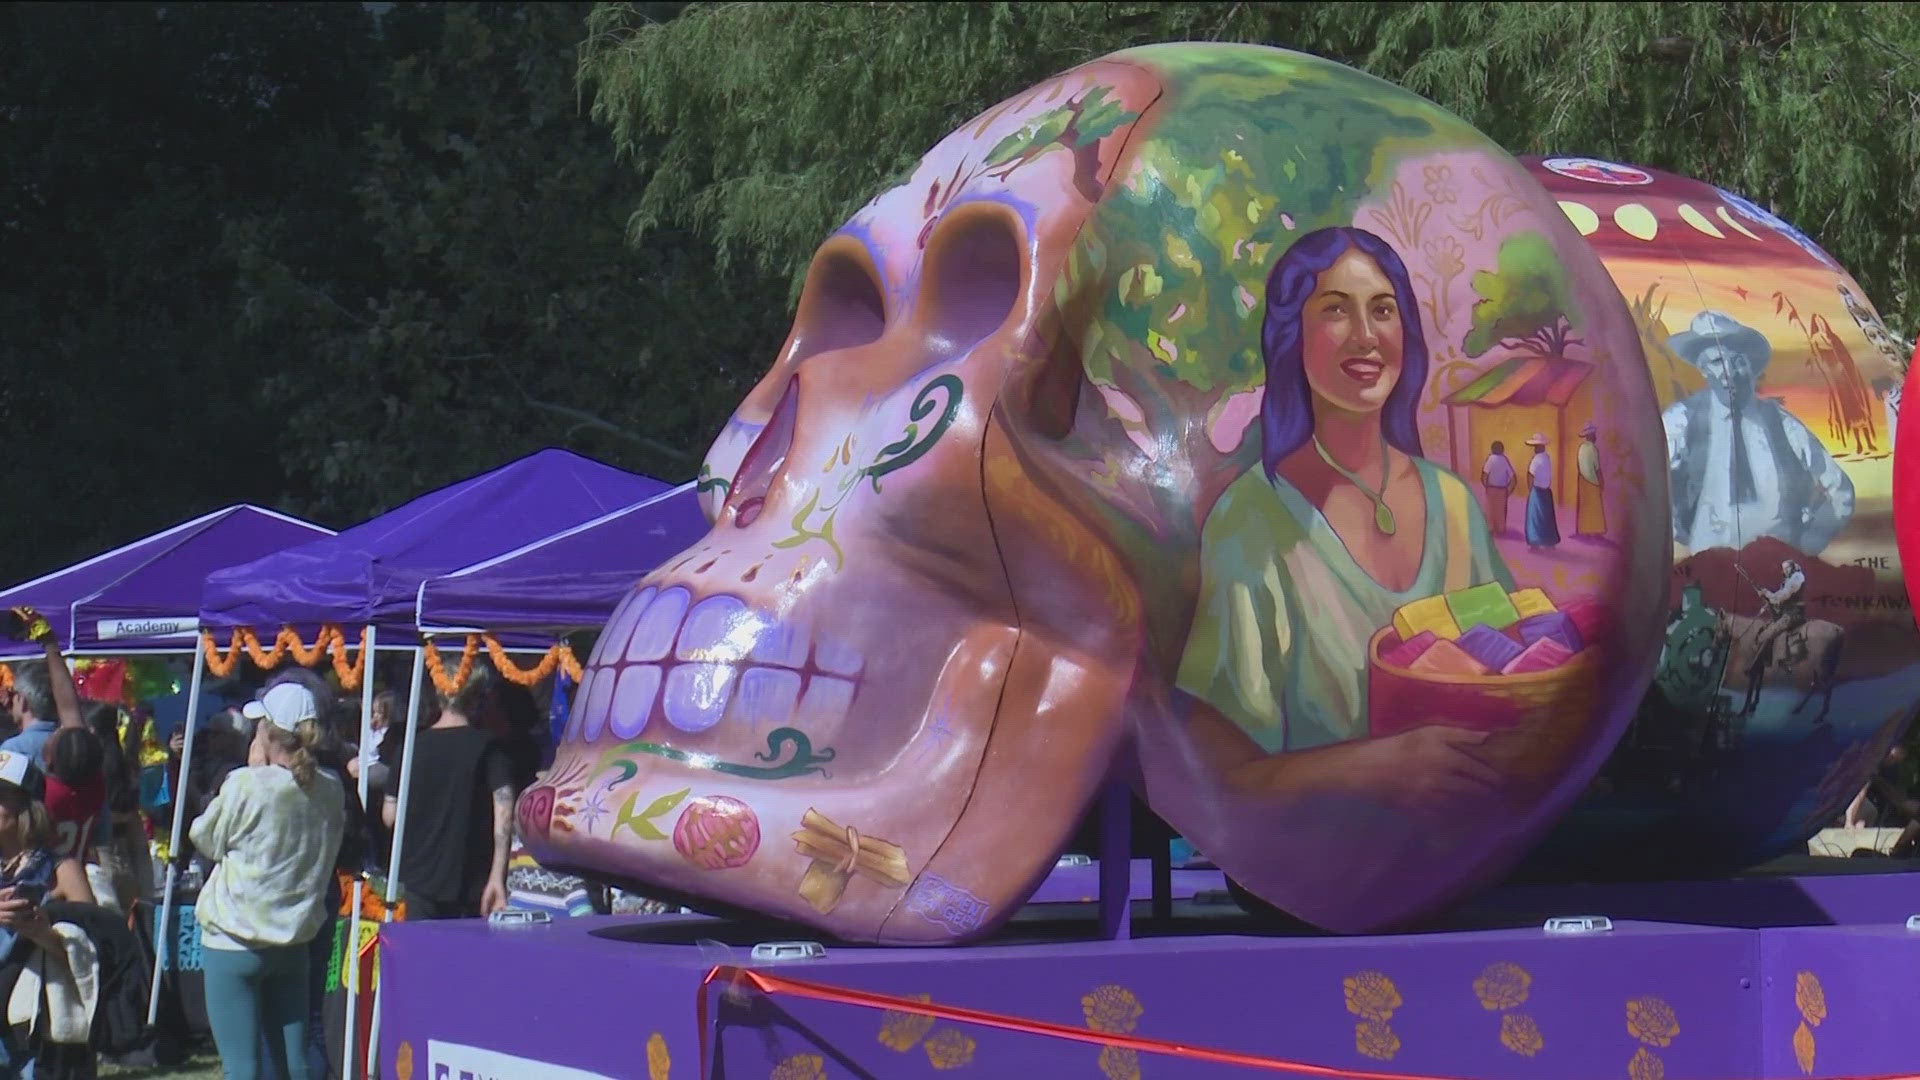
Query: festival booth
[141,600]
[1175,479]
[144,597]
[368,578]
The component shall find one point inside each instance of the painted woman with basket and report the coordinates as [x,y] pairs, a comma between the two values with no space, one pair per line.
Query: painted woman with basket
[1343,520]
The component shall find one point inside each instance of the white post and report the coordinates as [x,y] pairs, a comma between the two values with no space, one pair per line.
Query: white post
[350,951]
[406,780]
[399,836]
[164,932]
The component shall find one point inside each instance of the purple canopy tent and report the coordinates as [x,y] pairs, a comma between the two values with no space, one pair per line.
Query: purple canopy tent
[145,596]
[370,575]
[572,579]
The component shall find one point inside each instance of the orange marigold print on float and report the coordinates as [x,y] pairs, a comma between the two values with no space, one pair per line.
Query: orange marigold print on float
[1502,986]
[1652,1021]
[1520,1034]
[1371,996]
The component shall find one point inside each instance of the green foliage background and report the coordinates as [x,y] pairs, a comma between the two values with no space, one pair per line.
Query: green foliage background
[1812,109]
[325,258]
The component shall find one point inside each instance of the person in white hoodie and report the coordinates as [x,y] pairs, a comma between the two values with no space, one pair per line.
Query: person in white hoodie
[272,834]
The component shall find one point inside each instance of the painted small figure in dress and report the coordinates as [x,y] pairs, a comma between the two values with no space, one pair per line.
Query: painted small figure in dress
[1589,515]
[1497,476]
[1543,528]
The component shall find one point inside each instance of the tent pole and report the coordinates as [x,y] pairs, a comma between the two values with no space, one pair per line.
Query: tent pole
[350,951]
[164,932]
[399,837]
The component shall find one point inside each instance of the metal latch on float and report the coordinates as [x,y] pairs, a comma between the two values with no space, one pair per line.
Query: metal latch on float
[789,950]
[518,918]
[1578,924]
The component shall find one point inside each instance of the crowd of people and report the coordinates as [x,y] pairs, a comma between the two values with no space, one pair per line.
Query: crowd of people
[273,832]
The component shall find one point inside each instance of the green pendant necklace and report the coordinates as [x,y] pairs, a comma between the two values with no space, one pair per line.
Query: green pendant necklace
[1382,514]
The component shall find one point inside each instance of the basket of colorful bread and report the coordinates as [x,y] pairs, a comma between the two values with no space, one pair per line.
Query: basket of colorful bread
[1488,659]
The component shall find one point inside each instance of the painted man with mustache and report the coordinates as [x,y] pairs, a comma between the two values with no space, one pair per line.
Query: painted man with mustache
[1742,466]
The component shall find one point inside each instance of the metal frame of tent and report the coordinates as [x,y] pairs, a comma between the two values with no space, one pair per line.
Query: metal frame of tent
[423,507]
[427,631]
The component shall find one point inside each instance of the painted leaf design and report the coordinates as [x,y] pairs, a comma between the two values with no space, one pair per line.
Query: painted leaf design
[1097,121]
[641,826]
[1008,148]
[665,803]
[1040,132]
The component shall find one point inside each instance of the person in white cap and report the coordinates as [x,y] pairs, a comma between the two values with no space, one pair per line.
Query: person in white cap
[273,833]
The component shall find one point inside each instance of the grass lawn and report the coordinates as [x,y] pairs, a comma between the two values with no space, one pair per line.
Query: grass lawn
[204,1066]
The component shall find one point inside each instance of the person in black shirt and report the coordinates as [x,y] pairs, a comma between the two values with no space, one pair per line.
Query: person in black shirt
[513,719]
[459,810]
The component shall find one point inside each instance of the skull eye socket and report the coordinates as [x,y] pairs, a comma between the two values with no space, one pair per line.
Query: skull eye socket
[841,306]
[973,272]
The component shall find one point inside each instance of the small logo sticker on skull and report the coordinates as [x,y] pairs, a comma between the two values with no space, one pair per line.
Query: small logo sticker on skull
[940,901]
[716,832]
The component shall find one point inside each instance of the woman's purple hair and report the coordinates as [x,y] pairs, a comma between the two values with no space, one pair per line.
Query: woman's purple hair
[1286,406]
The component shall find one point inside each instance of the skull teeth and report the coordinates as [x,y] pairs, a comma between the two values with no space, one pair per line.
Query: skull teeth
[699,663]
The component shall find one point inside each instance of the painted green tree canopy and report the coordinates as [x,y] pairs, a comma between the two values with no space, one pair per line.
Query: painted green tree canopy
[1193,237]
[1524,303]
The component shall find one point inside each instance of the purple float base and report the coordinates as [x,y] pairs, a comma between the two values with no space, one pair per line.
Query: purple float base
[606,997]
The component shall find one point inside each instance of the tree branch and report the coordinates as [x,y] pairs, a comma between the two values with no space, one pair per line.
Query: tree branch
[582,418]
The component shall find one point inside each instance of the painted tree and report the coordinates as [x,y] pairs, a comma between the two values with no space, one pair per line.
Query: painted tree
[1524,302]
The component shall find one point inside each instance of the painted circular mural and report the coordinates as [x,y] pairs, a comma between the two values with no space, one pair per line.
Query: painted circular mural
[1790,659]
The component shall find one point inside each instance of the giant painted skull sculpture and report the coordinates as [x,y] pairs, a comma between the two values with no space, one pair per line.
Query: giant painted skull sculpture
[1791,659]
[1147,431]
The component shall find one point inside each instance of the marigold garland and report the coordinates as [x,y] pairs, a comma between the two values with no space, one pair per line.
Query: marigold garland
[559,656]
[439,672]
[6,676]
[220,667]
[331,642]
[349,673]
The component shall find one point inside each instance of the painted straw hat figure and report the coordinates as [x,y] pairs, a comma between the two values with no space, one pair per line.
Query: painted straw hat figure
[1543,528]
[1741,465]
[1589,516]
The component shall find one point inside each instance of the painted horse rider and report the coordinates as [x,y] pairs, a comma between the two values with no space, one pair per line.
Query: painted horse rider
[1786,611]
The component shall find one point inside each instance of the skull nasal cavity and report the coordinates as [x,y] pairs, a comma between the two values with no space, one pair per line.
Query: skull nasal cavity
[971,279]
[765,458]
